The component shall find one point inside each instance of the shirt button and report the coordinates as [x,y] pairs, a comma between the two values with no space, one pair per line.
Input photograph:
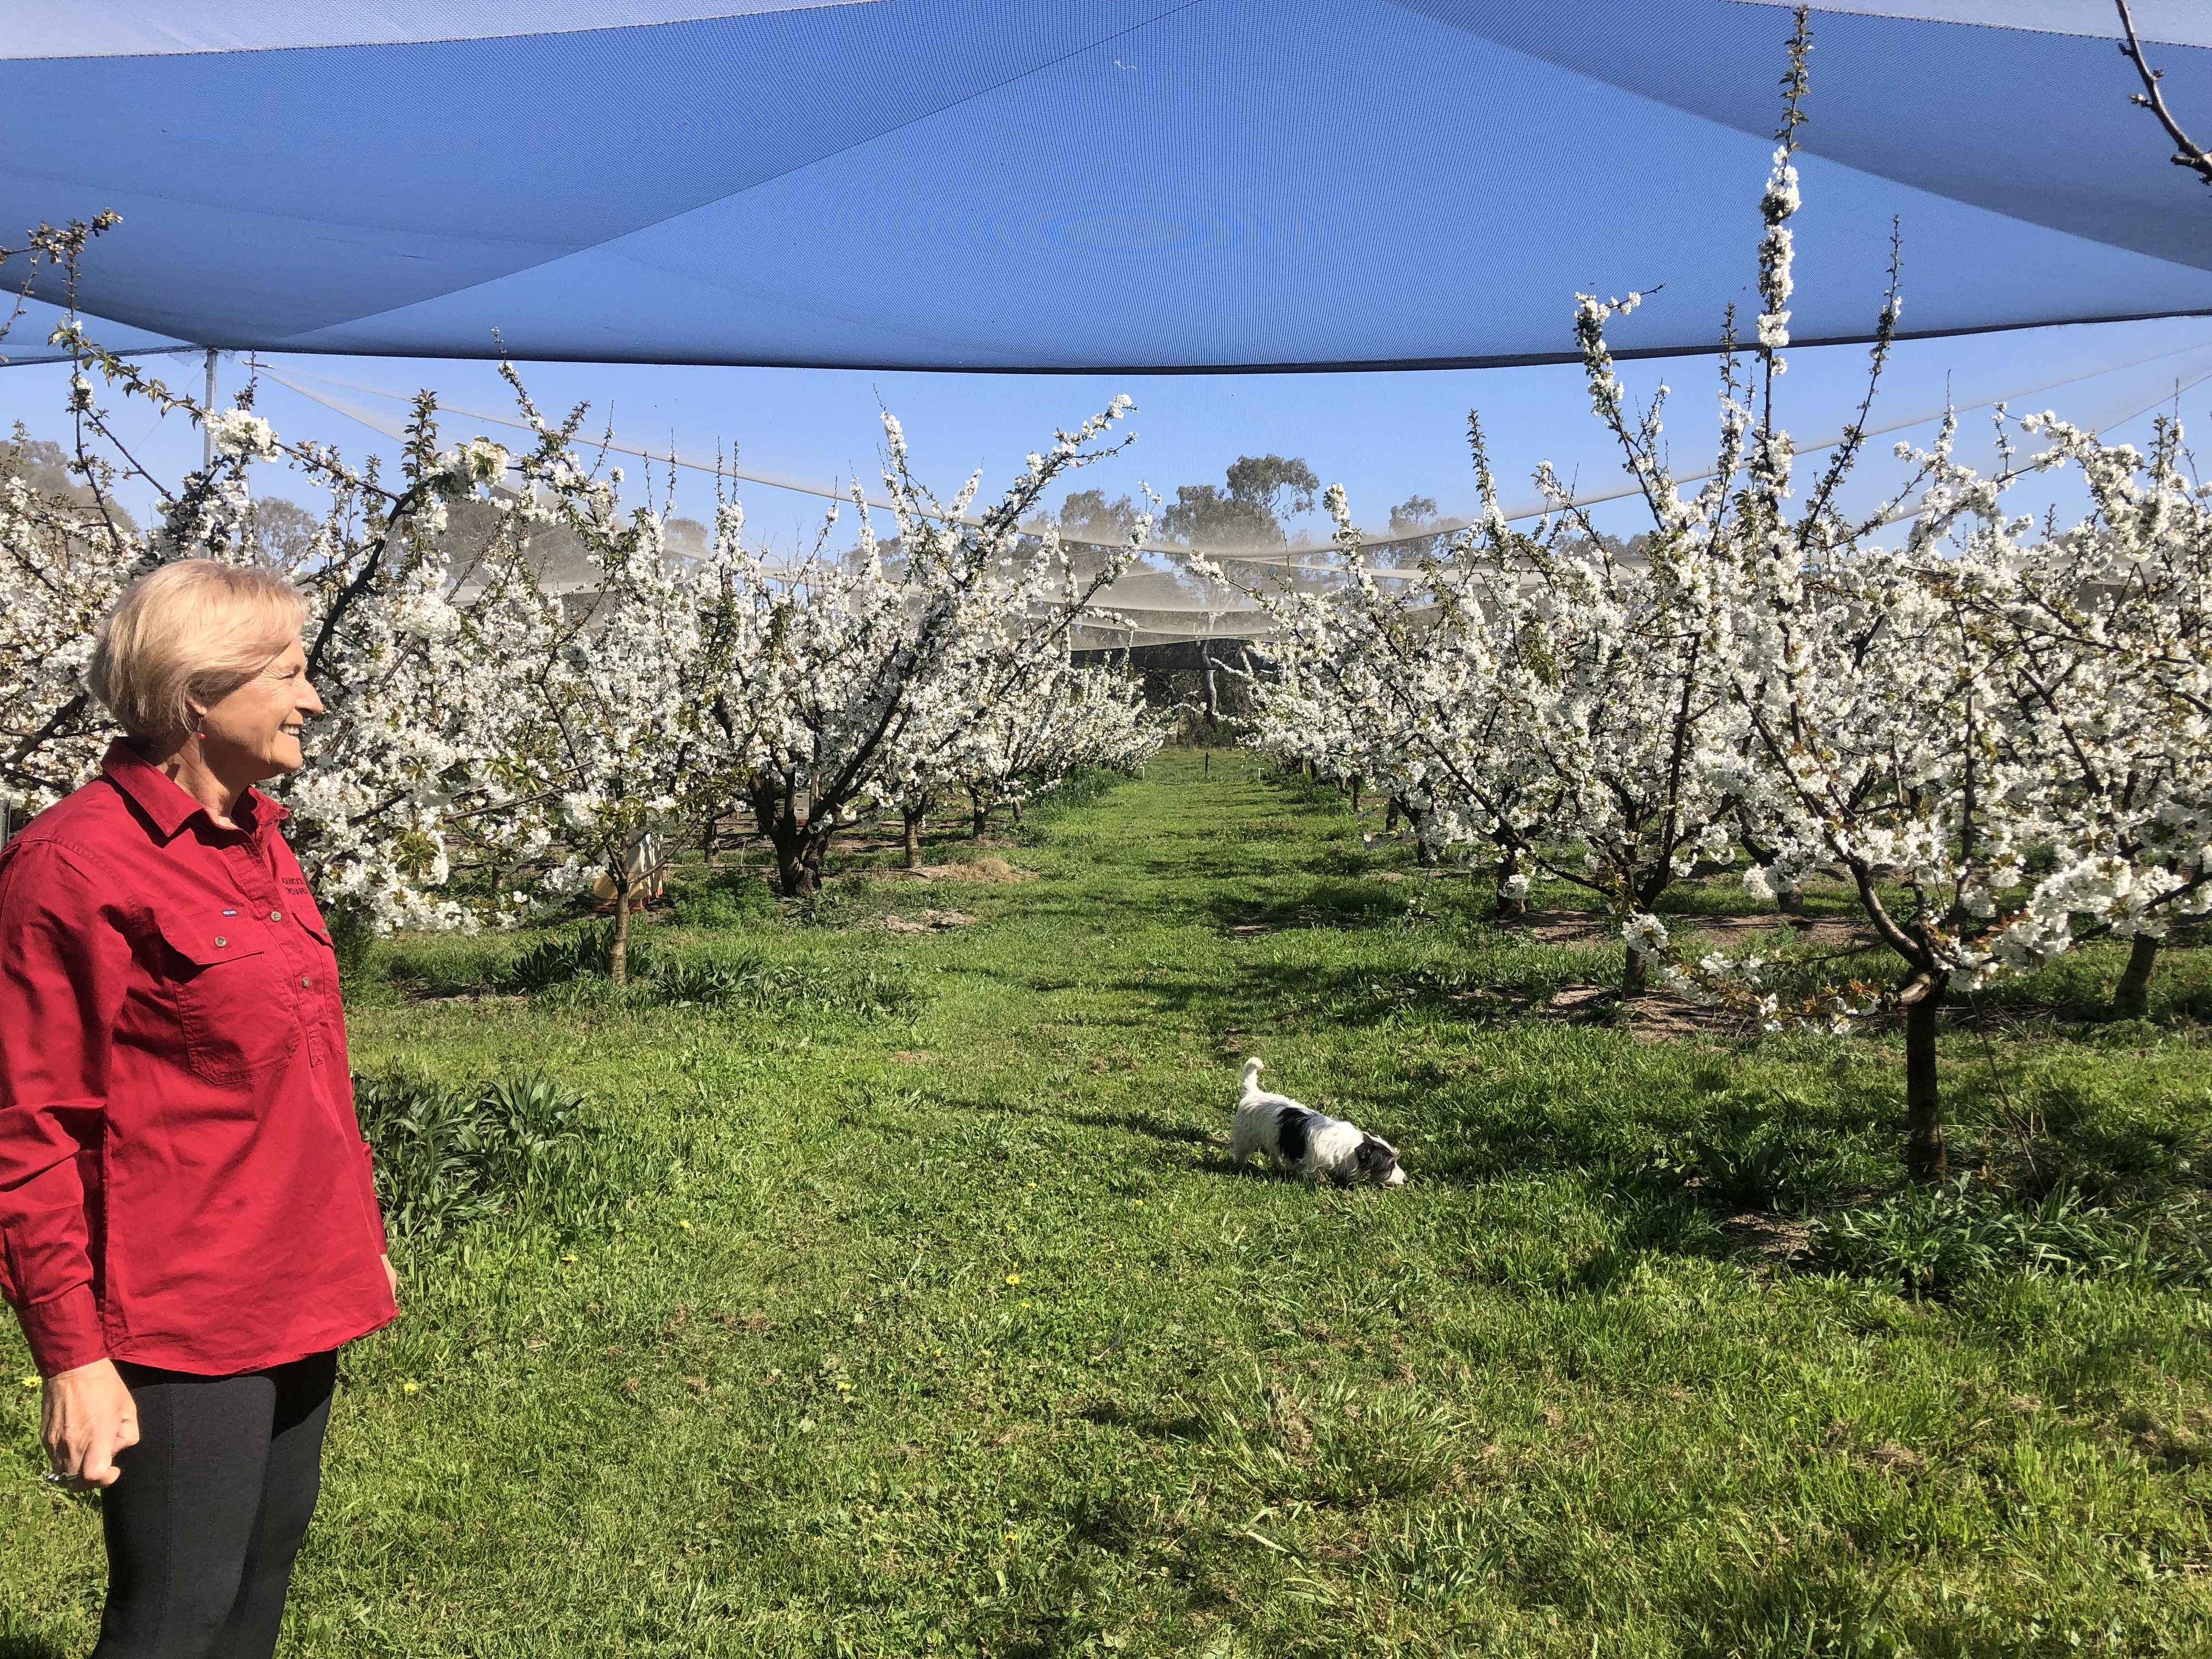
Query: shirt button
[276,915]
[221,941]
[305,982]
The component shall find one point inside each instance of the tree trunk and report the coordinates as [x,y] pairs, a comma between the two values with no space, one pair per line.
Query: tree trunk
[1017,811]
[1790,900]
[1390,815]
[979,813]
[1356,780]
[2131,997]
[913,816]
[1424,854]
[1634,979]
[1924,1159]
[798,849]
[1206,771]
[798,861]
[619,953]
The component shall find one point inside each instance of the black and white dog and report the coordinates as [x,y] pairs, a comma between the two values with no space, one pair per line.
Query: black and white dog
[1313,1144]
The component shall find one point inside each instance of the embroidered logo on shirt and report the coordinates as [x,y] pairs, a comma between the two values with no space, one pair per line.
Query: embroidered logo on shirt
[230,913]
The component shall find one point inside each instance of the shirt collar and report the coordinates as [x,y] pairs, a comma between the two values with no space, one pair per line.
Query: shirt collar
[166,804]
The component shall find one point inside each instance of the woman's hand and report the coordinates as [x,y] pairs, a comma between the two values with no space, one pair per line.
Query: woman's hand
[89,1416]
[391,1278]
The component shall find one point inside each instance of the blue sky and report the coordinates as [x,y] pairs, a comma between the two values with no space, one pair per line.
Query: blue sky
[1384,435]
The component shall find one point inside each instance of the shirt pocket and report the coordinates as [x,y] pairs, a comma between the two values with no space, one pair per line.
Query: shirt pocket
[238,1021]
[312,924]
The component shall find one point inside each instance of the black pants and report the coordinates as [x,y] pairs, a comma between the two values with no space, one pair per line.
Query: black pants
[211,1507]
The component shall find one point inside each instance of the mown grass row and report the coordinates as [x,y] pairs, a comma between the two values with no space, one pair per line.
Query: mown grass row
[944,1327]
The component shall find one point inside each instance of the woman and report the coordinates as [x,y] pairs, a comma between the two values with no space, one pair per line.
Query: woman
[188,1227]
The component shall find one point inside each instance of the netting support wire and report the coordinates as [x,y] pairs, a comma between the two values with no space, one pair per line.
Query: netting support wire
[207,416]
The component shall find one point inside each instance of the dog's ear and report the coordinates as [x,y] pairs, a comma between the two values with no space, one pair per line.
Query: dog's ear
[1375,1159]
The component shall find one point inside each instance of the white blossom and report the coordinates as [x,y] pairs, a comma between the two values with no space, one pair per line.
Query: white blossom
[241,435]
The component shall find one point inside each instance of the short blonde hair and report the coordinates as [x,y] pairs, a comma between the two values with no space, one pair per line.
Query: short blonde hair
[186,637]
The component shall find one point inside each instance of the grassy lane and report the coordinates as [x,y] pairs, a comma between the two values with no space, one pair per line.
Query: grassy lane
[952,1332]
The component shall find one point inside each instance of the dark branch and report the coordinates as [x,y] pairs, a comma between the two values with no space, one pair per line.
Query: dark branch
[2191,155]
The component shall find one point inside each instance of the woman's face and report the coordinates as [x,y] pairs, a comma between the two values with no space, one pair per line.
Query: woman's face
[254,733]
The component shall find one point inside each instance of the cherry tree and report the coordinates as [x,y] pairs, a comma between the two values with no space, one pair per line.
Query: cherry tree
[2110,677]
[610,736]
[1062,720]
[835,673]
[1399,685]
[1539,691]
[1864,688]
[1032,714]
[64,562]
[1926,719]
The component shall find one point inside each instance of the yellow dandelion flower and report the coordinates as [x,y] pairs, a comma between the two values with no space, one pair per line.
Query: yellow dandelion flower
[30,1381]
[409,1386]
[568,1258]
[1012,1536]
[685,1225]
[1013,1278]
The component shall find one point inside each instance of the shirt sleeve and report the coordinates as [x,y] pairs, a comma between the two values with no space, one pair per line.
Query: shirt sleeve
[64,963]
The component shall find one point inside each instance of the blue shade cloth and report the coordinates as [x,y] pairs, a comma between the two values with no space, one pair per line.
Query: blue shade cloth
[1124,185]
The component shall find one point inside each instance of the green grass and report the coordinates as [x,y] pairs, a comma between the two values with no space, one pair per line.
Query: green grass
[1553,1398]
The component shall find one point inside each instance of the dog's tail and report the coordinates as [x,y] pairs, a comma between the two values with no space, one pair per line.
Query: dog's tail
[1251,1075]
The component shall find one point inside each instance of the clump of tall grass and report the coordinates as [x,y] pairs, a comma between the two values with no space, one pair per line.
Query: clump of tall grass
[518,1148]
[1928,1241]
[560,957]
[759,986]
[571,968]
[725,898]
[1085,787]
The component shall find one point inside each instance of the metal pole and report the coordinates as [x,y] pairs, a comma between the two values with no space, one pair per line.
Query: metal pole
[207,432]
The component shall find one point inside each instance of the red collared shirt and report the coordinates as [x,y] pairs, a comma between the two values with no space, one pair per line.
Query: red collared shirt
[183,1181]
